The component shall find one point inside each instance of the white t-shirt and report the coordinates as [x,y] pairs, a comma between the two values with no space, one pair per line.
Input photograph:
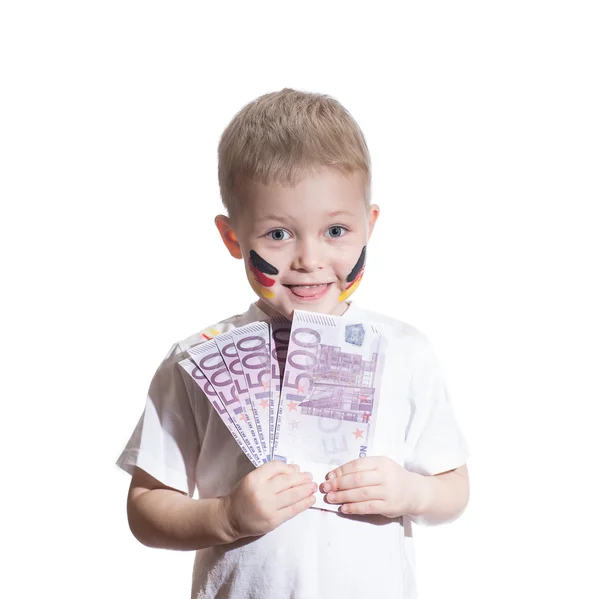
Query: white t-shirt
[181,441]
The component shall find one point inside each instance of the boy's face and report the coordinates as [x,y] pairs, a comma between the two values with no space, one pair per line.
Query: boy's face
[304,247]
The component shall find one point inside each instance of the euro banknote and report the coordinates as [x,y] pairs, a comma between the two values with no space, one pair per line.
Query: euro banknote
[304,391]
[252,343]
[226,344]
[209,360]
[198,377]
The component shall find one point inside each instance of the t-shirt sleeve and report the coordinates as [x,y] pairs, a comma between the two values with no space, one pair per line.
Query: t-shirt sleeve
[433,440]
[165,442]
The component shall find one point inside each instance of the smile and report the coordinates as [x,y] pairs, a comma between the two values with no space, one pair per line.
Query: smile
[309,292]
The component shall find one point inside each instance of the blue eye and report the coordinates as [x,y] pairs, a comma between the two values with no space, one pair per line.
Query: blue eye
[278,235]
[337,231]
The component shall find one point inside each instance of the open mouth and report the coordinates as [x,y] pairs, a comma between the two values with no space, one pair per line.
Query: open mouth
[311,292]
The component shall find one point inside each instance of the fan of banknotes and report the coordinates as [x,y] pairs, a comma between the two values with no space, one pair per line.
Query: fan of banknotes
[303,391]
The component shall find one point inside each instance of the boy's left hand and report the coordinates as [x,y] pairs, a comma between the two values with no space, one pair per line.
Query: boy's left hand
[374,485]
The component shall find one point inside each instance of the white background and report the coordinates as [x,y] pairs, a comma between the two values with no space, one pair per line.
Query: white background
[483,123]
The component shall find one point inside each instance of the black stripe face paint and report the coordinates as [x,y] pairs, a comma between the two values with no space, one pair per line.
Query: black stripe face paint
[358,266]
[260,268]
[261,264]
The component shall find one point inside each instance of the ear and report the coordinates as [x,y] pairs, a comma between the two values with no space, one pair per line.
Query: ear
[228,236]
[373,216]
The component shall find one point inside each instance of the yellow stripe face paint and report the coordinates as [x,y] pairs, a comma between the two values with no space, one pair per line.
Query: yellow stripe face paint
[260,290]
[355,276]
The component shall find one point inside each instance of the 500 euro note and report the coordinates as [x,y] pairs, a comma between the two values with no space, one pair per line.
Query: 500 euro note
[192,369]
[209,360]
[329,393]
[280,338]
[226,344]
[252,343]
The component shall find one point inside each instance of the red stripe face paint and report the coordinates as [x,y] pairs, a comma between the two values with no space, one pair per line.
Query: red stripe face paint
[355,276]
[260,268]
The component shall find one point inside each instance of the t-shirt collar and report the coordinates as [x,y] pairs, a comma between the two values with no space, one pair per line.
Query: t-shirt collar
[255,313]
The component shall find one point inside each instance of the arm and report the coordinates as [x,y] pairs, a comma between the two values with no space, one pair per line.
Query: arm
[166,518]
[163,517]
[444,497]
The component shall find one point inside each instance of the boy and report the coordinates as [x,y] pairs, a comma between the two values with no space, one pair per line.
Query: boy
[294,173]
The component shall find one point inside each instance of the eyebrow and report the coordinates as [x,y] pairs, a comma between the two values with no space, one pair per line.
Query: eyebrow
[339,213]
[282,218]
[271,217]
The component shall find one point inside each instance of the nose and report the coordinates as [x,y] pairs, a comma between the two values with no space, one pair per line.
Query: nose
[308,256]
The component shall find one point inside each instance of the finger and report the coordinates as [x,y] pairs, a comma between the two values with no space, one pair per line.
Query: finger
[358,465]
[275,467]
[294,495]
[282,482]
[296,508]
[365,478]
[355,495]
[375,506]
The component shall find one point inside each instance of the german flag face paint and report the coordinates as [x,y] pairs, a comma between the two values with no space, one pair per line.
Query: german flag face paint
[260,268]
[353,279]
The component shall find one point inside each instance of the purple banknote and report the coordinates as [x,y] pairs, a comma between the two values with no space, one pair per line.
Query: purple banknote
[330,391]
[209,360]
[192,369]
[280,338]
[226,344]
[252,343]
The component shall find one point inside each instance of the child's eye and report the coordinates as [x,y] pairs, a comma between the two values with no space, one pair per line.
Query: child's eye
[278,235]
[336,231]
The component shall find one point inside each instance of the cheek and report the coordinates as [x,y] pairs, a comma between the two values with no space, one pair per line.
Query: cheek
[351,280]
[261,274]
[342,268]
[350,266]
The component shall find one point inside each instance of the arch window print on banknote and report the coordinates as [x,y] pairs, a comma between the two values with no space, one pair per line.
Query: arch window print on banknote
[304,391]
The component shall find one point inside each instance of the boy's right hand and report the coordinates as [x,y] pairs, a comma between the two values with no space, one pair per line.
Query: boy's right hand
[267,497]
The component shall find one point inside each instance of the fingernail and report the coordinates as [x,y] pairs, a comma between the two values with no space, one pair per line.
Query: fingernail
[331,497]
[314,487]
[330,475]
[326,487]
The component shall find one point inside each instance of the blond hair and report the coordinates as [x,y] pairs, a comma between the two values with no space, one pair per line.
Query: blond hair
[283,136]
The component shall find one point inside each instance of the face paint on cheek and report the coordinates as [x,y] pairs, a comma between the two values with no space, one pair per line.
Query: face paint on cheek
[260,268]
[355,276]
